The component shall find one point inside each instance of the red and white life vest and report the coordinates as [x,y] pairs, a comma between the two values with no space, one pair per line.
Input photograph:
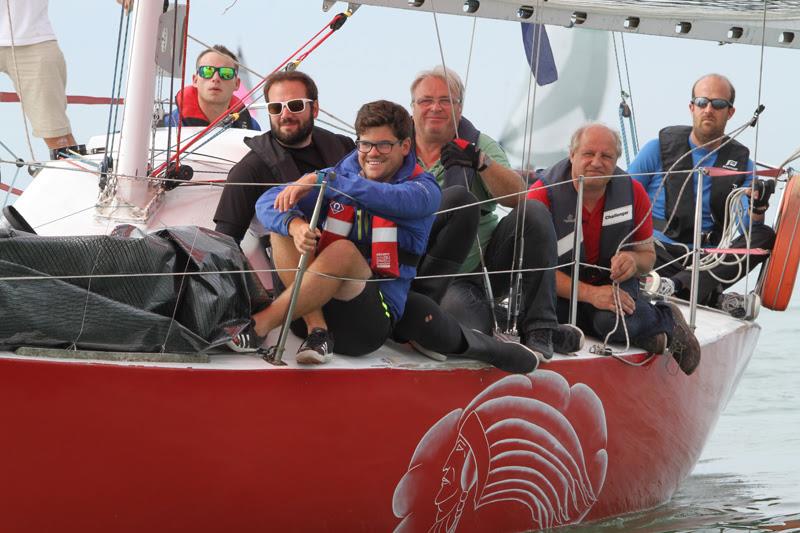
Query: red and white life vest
[384,256]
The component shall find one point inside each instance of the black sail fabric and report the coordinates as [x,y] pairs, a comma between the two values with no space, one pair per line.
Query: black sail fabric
[120,291]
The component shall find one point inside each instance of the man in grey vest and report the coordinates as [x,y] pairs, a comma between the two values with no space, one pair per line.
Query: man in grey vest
[617,239]
[711,107]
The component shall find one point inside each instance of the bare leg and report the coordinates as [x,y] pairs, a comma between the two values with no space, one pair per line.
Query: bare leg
[287,257]
[342,259]
[61,141]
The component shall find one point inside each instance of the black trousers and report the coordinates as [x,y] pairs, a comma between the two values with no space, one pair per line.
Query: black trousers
[425,323]
[647,319]
[710,288]
[466,298]
[450,241]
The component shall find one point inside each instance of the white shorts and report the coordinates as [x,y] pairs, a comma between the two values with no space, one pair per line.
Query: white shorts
[41,84]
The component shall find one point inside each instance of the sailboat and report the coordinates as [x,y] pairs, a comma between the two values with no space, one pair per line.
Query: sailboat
[389,441]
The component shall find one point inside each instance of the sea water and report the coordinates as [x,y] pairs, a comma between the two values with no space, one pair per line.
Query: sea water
[748,477]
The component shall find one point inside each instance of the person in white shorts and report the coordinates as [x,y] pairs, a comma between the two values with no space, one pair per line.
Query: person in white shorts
[30,55]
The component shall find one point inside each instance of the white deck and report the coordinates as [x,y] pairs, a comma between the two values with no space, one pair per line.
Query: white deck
[713,325]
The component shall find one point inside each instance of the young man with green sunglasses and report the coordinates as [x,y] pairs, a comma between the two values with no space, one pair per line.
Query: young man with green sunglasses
[211,94]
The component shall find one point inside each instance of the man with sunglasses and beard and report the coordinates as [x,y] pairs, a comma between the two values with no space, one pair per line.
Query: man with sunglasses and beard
[677,151]
[211,93]
[292,148]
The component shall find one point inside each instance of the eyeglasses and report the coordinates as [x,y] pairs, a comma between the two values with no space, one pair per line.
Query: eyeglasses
[716,103]
[384,147]
[428,102]
[207,72]
[297,105]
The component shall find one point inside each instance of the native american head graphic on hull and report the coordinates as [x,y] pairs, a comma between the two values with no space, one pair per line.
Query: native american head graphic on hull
[529,448]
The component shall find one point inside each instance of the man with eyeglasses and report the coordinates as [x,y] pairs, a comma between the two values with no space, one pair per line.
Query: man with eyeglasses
[452,149]
[211,93]
[376,216]
[292,148]
[711,107]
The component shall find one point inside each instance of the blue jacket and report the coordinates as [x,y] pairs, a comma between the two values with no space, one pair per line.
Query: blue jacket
[408,202]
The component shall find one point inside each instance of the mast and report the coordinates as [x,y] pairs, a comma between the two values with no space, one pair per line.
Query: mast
[138,112]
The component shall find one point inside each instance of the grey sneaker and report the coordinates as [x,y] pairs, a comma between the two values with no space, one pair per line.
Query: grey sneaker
[744,306]
[684,345]
[246,341]
[567,338]
[317,349]
[656,344]
[540,341]
[655,285]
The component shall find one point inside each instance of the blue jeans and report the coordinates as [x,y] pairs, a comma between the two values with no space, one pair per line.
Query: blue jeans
[647,319]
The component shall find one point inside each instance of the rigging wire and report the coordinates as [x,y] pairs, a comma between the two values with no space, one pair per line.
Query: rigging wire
[290,63]
[19,80]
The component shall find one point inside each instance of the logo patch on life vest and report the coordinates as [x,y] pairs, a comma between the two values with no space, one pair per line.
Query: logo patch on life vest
[570,219]
[336,207]
[730,165]
[615,216]
[383,260]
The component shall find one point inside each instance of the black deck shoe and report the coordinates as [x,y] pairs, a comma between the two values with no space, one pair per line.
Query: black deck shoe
[246,341]
[684,345]
[508,356]
[567,338]
[540,341]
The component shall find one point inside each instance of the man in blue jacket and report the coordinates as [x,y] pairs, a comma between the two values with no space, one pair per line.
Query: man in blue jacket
[376,217]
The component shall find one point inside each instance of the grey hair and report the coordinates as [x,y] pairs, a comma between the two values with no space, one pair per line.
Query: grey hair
[575,140]
[448,76]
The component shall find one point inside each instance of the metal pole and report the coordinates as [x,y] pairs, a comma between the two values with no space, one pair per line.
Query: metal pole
[698,228]
[275,354]
[576,253]
[138,113]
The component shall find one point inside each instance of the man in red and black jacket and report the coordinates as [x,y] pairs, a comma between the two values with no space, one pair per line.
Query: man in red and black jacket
[215,79]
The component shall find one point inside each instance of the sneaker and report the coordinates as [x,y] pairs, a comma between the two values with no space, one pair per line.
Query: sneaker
[684,346]
[656,344]
[655,285]
[246,341]
[540,341]
[739,305]
[317,349]
[567,338]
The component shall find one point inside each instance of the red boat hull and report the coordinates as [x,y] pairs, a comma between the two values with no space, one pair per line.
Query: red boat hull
[108,447]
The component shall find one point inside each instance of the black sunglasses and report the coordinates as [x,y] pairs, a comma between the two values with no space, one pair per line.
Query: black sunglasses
[716,103]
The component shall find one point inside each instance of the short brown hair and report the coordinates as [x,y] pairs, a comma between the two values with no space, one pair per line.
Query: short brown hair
[220,49]
[292,75]
[384,113]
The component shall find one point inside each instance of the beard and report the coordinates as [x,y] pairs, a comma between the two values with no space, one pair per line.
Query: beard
[298,136]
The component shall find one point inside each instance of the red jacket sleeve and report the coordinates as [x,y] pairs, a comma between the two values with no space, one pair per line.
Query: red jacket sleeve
[538,192]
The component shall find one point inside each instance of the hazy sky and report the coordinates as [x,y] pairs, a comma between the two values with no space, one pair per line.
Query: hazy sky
[378,51]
